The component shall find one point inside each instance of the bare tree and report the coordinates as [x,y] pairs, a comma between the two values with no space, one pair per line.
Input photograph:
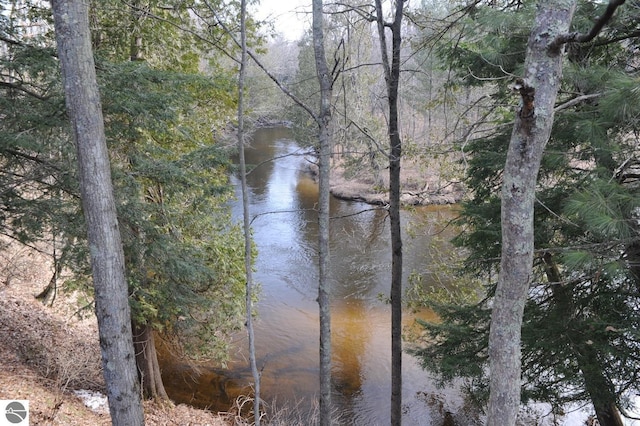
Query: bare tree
[107,258]
[392,80]
[246,214]
[323,119]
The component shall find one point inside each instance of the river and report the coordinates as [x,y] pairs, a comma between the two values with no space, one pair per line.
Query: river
[285,229]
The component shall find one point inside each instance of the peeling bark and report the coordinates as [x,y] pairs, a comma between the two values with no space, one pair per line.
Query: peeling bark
[538,89]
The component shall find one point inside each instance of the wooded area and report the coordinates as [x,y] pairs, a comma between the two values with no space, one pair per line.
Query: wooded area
[121,120]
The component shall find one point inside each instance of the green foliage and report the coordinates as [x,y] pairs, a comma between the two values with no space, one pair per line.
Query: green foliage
[184,257]
[606,210]
[305,88]
[579,338]
[461,333]
[488,44]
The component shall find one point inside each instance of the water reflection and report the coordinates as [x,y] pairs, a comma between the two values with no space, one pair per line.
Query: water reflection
[283,204]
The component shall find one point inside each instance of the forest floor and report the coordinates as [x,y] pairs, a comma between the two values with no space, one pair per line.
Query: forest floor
[48,355]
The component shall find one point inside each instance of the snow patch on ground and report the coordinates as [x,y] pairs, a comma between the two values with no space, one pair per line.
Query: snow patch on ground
[575,415]
[94,400]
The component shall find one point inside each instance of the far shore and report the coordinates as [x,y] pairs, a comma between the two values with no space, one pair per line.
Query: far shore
[421,184]
[363,187]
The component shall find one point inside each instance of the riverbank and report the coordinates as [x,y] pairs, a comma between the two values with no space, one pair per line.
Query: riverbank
[424,181]
[420,185]
[48,355]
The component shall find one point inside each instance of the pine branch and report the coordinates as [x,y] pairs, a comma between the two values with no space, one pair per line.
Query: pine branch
[632,34]
[23,89]
[11,41]
[147,13]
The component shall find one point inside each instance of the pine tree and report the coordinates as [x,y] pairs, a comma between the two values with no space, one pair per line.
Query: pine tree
[578,332]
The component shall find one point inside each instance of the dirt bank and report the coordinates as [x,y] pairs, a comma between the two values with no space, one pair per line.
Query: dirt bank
[47,354]
[420,184]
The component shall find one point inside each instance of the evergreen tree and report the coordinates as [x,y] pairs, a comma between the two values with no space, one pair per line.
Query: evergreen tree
[579,338]
[183,256]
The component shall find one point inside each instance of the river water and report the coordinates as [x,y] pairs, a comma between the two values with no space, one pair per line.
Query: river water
[285,229]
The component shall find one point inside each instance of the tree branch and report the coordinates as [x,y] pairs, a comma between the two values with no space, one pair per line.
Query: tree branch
[256,60]
[11,41]
[576,101]
[358,9]
[230,33]
[575,37]
[24,90]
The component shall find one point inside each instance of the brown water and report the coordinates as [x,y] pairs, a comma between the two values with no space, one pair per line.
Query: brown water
[285,231]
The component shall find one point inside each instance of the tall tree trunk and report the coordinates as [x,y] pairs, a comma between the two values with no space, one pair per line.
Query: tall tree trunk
[107,258]
[323,120]
[538,89]
[392,79]
[147,362]
[246,217]
[597,385]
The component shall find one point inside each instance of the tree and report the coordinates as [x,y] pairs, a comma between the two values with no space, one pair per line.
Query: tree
[246,216]
[36,152]
[323,120]
[565,358]
[181,249]
[532,130]
[534,120]
[392,79]
[183,254]
[107,258]
[170,182]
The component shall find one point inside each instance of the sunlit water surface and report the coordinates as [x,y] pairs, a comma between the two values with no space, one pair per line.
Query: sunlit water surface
[283,201]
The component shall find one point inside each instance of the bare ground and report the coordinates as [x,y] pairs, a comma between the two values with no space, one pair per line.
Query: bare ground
[47,353]
[421,183]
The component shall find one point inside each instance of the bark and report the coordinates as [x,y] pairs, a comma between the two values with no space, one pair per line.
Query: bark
[392,79]
[107,258]
[538,89]
[246,217]
[323,120]
[48,295]
[147,361]
[135,47]
[597,385]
